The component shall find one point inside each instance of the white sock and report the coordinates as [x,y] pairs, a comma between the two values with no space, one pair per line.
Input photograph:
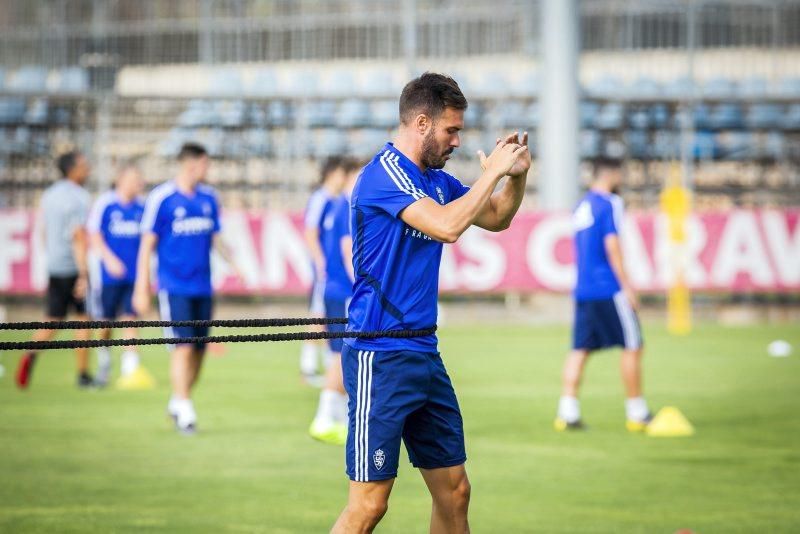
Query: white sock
[569,409]
[130,361]
[309,360]
[103,361]
[185,412]
[636,409]
[328,403]
[172,405]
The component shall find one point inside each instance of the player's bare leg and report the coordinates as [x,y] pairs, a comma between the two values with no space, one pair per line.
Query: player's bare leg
[196,364]
[82,354]
[310,351]
[569,413]
[636,409]
[27,361]
[367,503]
[450,491]
[181,371]
[631,368]
[573,372]
[103,359]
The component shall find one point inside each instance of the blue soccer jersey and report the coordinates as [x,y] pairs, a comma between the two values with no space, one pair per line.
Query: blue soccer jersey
[185,226]
[119,225]
[597,216]
[336,226]
[396,266]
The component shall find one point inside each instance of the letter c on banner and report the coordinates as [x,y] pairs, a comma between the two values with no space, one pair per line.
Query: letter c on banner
[541,253]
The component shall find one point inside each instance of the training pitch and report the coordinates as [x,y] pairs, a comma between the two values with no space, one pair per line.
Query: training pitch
[109,461]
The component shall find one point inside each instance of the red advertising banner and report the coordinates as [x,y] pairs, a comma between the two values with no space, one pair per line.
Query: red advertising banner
[739,250]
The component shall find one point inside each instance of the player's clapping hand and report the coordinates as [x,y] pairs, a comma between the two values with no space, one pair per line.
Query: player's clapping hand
[503,157]
[523,163]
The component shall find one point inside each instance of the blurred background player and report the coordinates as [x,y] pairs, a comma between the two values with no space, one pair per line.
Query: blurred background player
[605,301]
[63,212]
[330,422]
[332,178]
[114,231]
[181,223]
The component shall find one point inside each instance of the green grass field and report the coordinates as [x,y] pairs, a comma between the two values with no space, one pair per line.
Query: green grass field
[108,461]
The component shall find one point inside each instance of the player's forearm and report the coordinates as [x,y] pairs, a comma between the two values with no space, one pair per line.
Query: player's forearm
[80,251]
[143,263]
[314,249]
[99,244]
[462,213]
[616,261]
[504,204]
[223,250]
[346,245]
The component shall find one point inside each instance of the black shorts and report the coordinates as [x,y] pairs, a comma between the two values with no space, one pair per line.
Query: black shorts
[60,297]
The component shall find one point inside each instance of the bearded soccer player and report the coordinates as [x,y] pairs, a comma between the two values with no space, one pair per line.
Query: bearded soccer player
[403,208]
[605,301]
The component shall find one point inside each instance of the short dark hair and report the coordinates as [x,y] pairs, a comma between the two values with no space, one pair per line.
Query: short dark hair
[330,165]
[66,162]
[606,162]
[192,150]
[430,94]
[352,164]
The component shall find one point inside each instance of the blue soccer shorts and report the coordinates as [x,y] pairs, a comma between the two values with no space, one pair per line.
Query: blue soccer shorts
[185,308]
[605,323]
[396,395]
[116,299]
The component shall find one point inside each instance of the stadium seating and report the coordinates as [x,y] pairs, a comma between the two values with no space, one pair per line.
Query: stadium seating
[12,110]
[29,79]
[744,120]
[353,113]
[72,80]
[763,116]
[377,84]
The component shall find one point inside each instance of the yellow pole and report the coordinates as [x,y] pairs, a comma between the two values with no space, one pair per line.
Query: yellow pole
[676,206]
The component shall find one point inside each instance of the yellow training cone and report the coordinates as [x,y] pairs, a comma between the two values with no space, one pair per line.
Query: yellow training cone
[140,378]
[669,422]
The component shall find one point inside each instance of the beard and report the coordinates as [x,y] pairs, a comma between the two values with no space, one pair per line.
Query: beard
[431,157]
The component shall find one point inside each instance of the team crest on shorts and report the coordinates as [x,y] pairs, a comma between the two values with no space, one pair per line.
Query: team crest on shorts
[379,458]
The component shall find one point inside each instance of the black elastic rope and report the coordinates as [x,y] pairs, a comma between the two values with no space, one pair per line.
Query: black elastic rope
[251,338]
[229,323]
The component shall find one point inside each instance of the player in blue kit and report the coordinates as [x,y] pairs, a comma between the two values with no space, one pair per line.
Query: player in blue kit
[403,208]
[330,422]
[332,178]
[605,301]
[181,223]
[114,229]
